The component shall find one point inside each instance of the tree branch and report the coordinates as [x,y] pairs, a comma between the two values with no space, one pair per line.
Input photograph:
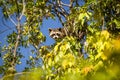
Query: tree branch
[23,11]
[17,6]
[6,30]
[60,18]
[63,11]
[59,10]
[18,27]
[12,20]
[103,23]
[5,24]
[64,4]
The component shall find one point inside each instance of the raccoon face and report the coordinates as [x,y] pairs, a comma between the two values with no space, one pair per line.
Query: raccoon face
[56,33]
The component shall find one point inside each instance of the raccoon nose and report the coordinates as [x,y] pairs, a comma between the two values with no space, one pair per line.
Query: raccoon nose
[55,37]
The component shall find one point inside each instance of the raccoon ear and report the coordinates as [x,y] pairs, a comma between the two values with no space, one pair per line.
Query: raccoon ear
[50,29]
[59,29]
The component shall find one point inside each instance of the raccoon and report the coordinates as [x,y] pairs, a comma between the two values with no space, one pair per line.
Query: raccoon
[57,33]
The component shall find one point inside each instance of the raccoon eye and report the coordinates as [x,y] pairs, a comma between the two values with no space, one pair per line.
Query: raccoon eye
[58,34]
[52,35]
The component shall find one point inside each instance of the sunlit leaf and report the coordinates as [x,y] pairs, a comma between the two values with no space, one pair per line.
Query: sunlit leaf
[105,34]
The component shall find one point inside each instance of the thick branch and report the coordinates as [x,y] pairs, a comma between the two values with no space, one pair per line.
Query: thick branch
[16,44]
[18,38]
[18,27]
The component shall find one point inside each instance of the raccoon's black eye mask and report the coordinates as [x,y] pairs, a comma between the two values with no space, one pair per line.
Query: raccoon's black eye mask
[58,34]
[52,35]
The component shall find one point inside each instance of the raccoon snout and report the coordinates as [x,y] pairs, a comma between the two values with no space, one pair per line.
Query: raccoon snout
[55,37]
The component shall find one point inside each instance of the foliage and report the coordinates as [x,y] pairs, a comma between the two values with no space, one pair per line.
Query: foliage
[64,60]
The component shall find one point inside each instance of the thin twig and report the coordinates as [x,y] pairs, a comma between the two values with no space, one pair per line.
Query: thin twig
[12,20]
[63,11]
[65,4]
[6,30]
[60,18]
[103,23]
[5,24]
[9,16]
[23,11]
[59,10]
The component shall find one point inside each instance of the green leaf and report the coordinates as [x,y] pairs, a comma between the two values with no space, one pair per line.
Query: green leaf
[117,22]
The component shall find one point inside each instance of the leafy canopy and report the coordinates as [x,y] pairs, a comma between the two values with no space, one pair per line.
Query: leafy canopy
[64,60]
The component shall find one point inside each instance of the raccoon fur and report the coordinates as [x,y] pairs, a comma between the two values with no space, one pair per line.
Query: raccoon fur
[59,33]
